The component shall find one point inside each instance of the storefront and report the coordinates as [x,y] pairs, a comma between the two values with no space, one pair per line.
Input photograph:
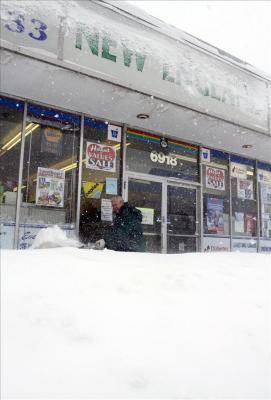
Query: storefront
[199,173]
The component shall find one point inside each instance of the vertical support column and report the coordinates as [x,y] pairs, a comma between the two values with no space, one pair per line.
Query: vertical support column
[230,194]
[258,208]
[123,162]
[19,188]
[164,218]
[200,228]
[269,107]
[80,176]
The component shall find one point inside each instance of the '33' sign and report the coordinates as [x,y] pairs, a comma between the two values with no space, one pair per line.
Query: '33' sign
[17,24]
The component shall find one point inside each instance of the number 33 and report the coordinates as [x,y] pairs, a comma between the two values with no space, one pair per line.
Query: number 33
[17,25]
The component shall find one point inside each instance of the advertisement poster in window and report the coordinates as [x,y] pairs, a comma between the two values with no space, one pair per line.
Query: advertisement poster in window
[266,193]
[215,178]
[147,215]
[266,210]
[265,246]
[264,176]
[215,219]
[92,190]
[239,222]
[216,244]
[50,187]
[238,171]
[250,224]
[245,189]
[246,245]
[100,157]
[106,210]
[111,185]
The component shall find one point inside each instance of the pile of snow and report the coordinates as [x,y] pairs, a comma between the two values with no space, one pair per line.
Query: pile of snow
[102,325]
[53,237]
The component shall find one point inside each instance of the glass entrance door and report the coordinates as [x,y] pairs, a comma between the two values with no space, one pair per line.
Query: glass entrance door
[170,213]
[147,196]
[182,225]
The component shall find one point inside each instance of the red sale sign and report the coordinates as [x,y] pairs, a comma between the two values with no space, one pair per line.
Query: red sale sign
[100,157]
[215,178]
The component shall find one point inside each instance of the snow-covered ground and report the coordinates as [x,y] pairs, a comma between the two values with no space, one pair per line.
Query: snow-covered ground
[80,324]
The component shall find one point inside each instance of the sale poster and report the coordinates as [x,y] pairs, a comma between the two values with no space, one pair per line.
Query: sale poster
[100,157]
[245,189]
[215,178]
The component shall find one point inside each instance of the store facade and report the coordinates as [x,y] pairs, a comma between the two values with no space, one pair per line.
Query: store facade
[199,173]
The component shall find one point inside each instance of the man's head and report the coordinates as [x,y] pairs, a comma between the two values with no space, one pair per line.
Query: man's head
[117,202]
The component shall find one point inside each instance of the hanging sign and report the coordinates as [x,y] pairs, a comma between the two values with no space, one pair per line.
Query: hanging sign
[100,157]
[215,178]
[51,141]
[114,133]
[245,189]
[106,210]
[264,176]
[205,155]
[50,187]
[238,171]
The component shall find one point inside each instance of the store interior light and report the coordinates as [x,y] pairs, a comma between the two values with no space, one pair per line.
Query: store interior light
[69,167]
[17,138]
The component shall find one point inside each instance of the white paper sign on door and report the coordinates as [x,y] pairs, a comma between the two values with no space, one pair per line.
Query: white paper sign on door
[147,215]
[106,210]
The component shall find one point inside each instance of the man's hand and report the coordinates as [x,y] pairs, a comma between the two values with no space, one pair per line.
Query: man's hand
[100,244]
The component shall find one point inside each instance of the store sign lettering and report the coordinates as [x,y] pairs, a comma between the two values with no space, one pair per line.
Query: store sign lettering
[103,45]
[163,159]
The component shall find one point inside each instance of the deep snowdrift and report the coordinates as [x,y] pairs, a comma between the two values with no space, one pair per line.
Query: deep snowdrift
[88,324]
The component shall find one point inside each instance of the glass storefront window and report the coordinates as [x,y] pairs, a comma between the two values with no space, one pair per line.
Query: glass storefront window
[50,170]
[244,199]
[264,185]
[100,179]
[150,154]
[11,118]
[216,199]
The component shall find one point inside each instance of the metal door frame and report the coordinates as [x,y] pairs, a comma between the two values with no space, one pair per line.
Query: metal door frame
[167,181]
